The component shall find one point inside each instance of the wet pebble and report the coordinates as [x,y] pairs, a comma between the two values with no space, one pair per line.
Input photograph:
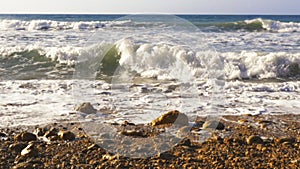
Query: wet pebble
[243,121]
[264,122]
[126,123]
[25,136]
[23,165]
[213,125]
[133,133]
[66,135]
[39,131]
[29,151]
[86,108]
[198,125]
[254,139]
[52,132]
[171,117]
[285,139]
[2,134]
[17,147]
[183,131]
[93,147]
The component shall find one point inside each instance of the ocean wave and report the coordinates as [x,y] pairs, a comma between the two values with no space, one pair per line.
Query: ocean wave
[257,24]
[276,26]
[256,65]
[164,61]
[239,26]
[161,61]
[45,25]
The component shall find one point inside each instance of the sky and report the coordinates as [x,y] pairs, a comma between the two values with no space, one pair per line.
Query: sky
[152,6]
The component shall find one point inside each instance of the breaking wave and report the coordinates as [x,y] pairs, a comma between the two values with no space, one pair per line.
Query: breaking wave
[257,24]
[275,26]
[161,61]
[48,25]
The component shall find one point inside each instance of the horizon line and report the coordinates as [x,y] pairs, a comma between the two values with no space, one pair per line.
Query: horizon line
[154,13]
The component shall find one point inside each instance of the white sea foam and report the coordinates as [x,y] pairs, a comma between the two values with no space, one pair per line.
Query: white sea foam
[43,101]
[33,25]
[260,65]
[165,61]
[277,26]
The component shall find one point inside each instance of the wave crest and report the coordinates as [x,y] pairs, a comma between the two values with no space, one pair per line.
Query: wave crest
[276,26]
[58,25]
[161,61]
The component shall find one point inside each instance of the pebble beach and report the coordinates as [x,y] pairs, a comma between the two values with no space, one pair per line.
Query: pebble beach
[245,141]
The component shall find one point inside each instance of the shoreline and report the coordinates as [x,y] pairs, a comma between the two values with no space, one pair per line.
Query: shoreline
[246,141]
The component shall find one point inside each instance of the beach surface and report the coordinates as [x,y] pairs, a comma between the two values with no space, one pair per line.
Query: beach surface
[244,141]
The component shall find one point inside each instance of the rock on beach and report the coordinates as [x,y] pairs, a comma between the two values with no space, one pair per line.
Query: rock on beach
[86,108]
[171,117]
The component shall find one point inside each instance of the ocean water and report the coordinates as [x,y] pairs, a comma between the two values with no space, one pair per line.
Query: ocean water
[139,66]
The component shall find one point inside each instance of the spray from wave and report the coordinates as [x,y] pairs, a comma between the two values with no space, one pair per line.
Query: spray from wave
[148,60]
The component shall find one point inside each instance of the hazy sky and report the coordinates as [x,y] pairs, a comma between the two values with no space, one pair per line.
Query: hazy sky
[152,6]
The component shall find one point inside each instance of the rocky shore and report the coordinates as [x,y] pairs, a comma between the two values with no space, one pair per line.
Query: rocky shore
[245,141]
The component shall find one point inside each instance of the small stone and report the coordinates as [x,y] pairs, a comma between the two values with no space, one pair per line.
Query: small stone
[185,142]
[17,147]
[51,132]
[217,139]
[254,139]
[263,126]
[53,138]
[93,147]
[86,108]
[198,124]
[264,122]
[296,161]
[25,136]
[213,125]
[66,135]
[3,134]
[183,131]
[126,123]
[228,140]
[110,157]
[29,151]
[171,117]
[243,121]
[132,133]
[286,144]
[39,131]
[166,156]
[285,139]
[23,165]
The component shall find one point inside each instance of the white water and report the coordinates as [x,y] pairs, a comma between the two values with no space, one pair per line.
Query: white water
[42,101]
[165,54]
[277,26]
[158,60]
[50,25]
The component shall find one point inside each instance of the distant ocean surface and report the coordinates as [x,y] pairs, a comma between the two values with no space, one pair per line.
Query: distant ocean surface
[40,55]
